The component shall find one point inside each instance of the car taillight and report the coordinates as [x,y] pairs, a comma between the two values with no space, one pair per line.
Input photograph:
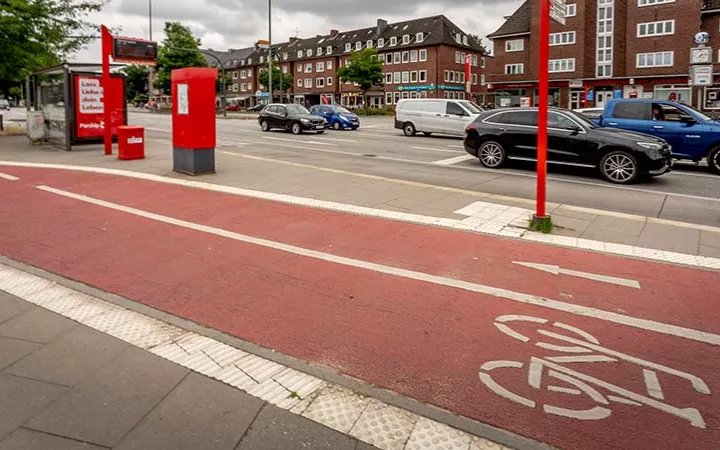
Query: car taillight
[469,128]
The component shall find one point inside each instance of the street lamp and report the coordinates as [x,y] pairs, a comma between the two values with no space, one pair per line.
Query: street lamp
[222,69]
[270,55]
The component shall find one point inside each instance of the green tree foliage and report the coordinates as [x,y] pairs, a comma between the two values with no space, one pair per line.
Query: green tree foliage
[136,79]
[477,39]
[365,69]
[281,81]
[179,49]
[219,81]
[39,33]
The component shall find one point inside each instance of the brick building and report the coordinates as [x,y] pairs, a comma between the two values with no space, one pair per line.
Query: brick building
[606,49]
[422,58]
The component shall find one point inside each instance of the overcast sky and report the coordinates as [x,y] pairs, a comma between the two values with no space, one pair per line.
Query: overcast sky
[223,24]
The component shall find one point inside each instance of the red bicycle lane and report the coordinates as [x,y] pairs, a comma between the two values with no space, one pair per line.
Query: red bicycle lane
[422,339]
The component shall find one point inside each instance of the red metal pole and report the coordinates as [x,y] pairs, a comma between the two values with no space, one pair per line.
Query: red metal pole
[468,76]
[543,81]
[106,51]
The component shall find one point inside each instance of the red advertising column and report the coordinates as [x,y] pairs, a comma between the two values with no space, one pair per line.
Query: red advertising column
[193,120]
[468,76]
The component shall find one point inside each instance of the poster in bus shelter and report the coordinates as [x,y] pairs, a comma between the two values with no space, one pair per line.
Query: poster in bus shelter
[90,108]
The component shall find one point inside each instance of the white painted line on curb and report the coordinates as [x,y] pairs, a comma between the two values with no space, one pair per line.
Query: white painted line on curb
[8,177]
[556,270]
[580,310]
[282,386]
[454,160]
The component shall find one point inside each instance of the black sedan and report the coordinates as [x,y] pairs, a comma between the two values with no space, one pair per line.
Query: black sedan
[621,156]
[295,118]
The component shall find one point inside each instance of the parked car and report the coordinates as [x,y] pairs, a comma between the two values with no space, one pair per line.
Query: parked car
[337,116]
[232,108]
[590,113]
[430,116]
[691,134]
[292,117]
[620,156]
[4,104]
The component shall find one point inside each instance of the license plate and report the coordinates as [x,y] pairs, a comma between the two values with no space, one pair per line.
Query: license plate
[319,127]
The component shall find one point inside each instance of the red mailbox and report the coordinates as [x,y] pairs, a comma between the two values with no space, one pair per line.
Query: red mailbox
[193,120]
[131,142]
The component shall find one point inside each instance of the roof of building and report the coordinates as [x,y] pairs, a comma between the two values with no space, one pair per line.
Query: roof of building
[517,23]
[435,30]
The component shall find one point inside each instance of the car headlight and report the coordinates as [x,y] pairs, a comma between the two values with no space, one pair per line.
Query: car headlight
[324,120]
[650,145]
[305,120]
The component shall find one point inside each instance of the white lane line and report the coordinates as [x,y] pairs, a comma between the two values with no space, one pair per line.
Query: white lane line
[8,177]
[643,324]
[457,146]
[555,270]
[350,141]
[692,174]
[454,160]
[296,141]
[441,150]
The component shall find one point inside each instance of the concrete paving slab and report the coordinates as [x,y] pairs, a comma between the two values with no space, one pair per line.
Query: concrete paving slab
[693,210]
[21,399]
[565,211]
[617,224]
[23,439]
[569,226]
[199,413]
[11,307]
[37,325]
[670,238]
[605,235]
[710,239]
[275,429]
[50,363]
[105,407]
[12,350]
[706,250]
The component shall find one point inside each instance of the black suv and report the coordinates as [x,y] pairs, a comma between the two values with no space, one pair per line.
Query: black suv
[295,118]
[621,156]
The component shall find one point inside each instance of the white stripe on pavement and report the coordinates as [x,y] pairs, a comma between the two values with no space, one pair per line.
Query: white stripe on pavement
[296,141]
[454,160]
[8,177]
[643,324]
[443,150]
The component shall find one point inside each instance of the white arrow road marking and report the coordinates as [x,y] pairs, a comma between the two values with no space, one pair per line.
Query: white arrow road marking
[556,270]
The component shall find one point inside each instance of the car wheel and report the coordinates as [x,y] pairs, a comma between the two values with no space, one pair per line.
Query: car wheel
[296,128]
[426,133]
[619,167]
[713,160]
[409,129]
[492,154]
[336,126]
[264,125]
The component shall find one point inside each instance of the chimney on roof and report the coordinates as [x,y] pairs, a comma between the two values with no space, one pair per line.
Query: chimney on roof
[292,39]
[381,26]
[334,33]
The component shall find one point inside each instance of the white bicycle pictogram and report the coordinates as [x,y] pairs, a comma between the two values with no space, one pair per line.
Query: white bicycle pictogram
[584,348]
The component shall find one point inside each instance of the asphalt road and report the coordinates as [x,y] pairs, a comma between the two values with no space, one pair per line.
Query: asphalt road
[689,193]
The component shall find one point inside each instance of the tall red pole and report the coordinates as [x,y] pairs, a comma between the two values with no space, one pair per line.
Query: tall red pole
[468,76]
[106,51]
[543,81]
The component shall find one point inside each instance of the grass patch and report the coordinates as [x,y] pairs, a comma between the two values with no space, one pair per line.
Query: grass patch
[541,224]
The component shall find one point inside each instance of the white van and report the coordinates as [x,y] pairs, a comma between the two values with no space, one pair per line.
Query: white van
[429,116]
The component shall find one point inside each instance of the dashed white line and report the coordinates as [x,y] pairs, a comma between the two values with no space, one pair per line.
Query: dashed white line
[8,177]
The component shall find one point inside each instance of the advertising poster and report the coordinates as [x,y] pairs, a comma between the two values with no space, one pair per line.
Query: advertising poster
[89,106]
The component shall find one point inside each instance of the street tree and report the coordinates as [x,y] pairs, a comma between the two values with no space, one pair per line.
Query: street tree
[281,81]
[478,40]
[136,79]
[179,49]
[364,68]
[39,33]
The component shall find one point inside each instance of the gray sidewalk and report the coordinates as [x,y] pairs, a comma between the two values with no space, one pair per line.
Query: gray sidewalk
[64,386]
[304,179]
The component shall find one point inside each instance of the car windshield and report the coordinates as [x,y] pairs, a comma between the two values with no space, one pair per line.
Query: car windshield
[297,109]
[472,107]
[698,113]
[580,118]
[340,110]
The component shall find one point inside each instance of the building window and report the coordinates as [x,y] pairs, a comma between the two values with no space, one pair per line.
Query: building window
[249,73]
[299,68]
[328,50]
[661,28]
[561,65]
[320,82]
[348,47]
[413,76]
[406,39]
[328,65]
[422,55]
[369,44]
[405,77]
[604,56]
[419,37]
[458,58]
[284,69]
[474,78]
[397,57]
[262,59]
[249,61]
[393,41]
[465,40]
[388,78]
[235,75]
[320,66]
[308,68]
[653,2]
[422,76]
[482,79]
[285,56]
[474,60]
[243,74]
[319,51]
[513,69]
[566,38]
[460,76]
[405,57]
[516,45]
[299,82]
[308,82]
[413,56]
[570,10]
[457,38]
[243,87]
[388,58]
[309,53]
[482,62]
[655,59]
[447,76]
[397,96]
[396,77]
[299,54]
[329,81]
[358,46]
[388,98]
[381,43]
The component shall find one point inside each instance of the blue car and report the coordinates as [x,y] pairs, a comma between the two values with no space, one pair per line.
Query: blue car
[691,134]
[337,117]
